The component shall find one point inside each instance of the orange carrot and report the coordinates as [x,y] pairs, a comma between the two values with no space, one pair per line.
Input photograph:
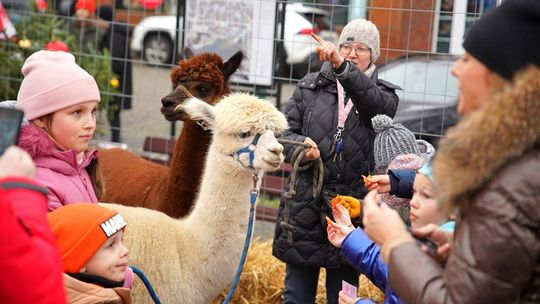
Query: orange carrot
[328,220]
[367,180]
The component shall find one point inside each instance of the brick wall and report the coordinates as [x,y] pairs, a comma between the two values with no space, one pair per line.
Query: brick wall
[404,26]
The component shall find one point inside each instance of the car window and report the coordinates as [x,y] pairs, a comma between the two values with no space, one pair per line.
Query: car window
[422,81]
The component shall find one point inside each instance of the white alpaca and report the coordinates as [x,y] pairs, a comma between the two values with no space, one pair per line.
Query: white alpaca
[192,260]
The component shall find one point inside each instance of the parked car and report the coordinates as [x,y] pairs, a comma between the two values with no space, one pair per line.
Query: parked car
[300,21]
[153,38]
[428,101]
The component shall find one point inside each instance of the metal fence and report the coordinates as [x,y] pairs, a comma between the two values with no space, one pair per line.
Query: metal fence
[419,41]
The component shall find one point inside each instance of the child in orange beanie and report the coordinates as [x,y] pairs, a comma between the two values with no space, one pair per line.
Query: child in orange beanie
[95,260]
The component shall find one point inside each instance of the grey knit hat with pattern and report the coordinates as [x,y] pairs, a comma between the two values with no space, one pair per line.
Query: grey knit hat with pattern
[362,31]
[392,139]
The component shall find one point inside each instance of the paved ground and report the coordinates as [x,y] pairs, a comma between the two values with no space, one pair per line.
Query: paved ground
[144,119]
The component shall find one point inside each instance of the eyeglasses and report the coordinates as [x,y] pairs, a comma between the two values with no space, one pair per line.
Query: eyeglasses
[348,48]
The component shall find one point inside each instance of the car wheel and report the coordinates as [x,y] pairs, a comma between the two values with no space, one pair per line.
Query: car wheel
[158,49]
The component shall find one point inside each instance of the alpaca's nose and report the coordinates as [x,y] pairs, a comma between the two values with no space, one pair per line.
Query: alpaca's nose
[276,149]
[168,101]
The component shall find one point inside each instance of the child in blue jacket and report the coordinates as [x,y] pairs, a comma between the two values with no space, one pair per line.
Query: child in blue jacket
[363,254]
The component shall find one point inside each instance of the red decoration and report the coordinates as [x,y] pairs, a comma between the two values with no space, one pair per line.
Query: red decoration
[150,4]
[57,46]
[41,5]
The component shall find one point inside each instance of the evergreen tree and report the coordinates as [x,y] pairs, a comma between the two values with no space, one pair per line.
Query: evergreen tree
[37,30]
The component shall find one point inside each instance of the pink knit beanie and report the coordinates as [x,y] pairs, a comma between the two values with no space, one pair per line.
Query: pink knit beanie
[402,162]
[53,81]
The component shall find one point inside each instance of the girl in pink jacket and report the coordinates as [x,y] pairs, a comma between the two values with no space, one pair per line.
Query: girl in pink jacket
[60,100]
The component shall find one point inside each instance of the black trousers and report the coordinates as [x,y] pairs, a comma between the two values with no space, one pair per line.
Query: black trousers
[301,283]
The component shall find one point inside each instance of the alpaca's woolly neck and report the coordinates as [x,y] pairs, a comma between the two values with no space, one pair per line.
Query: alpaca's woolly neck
[185,174]
[223,189]
[221,223]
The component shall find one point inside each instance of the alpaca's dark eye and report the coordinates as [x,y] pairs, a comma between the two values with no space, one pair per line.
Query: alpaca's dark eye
[244,134]
[203,91]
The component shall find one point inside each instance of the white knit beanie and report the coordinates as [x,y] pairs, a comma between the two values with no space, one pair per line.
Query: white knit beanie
[365,32]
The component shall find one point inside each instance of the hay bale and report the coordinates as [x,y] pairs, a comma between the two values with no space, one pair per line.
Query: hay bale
[368,290]
[261,281]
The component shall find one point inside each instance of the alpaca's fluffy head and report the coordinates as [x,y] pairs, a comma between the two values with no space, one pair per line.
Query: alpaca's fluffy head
[241,112]
[205,67]
[205,76]
[236,120]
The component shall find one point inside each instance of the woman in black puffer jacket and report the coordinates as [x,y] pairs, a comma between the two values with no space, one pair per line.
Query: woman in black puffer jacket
[347,78]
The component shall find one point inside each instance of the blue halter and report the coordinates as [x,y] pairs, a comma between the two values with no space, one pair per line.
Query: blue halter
[249,149]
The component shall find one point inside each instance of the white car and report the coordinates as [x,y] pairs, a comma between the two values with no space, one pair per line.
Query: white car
[153,38]
[300,22]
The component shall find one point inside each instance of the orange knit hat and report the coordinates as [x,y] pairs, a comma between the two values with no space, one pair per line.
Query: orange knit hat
[80,230]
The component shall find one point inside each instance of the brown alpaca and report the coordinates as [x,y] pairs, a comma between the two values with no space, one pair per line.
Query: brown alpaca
[133,181]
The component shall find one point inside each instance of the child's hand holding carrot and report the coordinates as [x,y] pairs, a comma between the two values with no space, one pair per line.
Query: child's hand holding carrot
[379,182]
[336,232]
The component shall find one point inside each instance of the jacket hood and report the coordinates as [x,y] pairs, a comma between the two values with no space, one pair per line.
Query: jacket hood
[35,141]
[484,141]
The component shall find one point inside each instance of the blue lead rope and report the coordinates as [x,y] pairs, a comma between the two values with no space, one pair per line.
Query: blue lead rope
[147,284]
[253,200]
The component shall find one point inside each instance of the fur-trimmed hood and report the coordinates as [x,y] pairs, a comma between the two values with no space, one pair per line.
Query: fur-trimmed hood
[38,144]
[486,140]
[35,141]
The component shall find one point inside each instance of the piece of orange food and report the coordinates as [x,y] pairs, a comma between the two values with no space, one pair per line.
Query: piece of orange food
[328,221]
[367,181]
[352,204]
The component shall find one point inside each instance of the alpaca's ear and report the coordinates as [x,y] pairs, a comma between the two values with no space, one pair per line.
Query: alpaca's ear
[231,65]
[187,53]
[199,111]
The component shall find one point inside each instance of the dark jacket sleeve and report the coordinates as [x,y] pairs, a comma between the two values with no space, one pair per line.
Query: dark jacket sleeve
[369,97]
[401,183]
[495,252]
[31,267]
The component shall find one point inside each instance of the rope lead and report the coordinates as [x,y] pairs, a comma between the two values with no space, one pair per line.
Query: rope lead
[146,283]
[253,199]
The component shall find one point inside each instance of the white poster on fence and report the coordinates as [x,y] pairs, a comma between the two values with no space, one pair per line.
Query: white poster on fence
[227,26]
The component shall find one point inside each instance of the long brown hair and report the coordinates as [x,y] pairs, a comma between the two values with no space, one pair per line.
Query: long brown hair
[92,169]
